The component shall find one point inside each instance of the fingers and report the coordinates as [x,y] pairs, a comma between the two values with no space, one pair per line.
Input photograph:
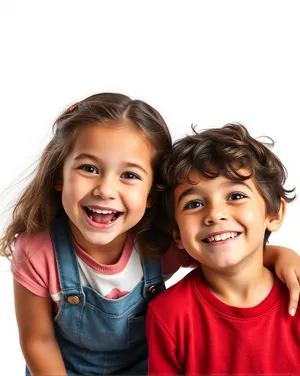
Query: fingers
[294,287]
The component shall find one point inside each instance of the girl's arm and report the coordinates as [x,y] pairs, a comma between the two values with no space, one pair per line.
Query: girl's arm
[286,264]
[36,332]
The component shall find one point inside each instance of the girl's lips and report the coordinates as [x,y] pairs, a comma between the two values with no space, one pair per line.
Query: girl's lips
[99,226]
[96,207]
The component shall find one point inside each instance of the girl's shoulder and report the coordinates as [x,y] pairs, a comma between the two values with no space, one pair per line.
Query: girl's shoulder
[34,265]
[34,246]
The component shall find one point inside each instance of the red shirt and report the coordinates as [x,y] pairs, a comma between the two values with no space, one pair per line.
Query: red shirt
[192,332]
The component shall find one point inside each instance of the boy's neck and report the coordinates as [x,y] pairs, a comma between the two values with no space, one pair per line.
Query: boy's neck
[242,286]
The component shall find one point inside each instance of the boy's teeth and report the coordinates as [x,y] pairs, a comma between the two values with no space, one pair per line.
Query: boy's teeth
[220,237]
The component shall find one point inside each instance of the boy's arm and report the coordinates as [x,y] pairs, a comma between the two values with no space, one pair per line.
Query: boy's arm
[286,264]
[36,332]
[162,356]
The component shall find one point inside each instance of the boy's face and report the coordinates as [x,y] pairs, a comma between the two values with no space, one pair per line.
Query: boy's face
[222,222]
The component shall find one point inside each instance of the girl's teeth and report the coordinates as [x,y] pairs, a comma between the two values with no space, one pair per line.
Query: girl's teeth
[101,211]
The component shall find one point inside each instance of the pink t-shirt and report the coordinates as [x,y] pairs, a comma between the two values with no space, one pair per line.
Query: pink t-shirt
[34,266]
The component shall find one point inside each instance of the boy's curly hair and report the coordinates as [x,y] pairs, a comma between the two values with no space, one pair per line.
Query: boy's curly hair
[224,151]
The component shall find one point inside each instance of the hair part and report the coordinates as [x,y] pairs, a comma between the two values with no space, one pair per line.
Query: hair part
[225,151]
[40,202]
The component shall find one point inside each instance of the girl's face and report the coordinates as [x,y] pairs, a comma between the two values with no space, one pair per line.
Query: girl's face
[106,182]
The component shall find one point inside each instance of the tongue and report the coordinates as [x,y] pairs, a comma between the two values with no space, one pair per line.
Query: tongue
[102,218]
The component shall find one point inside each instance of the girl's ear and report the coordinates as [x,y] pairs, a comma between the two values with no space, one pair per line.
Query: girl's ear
[149,203]
[59,185]
[275,221]
[177,238]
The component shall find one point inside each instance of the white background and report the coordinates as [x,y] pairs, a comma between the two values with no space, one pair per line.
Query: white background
[203,62]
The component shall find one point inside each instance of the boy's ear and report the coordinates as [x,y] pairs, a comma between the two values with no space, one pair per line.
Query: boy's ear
[275,221]
[177,238]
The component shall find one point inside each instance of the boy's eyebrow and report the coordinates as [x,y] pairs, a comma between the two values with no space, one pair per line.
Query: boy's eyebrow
[186,193]
[92,157]
[226,183]
[237,182]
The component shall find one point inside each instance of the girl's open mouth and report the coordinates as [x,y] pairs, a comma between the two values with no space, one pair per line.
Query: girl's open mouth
[105,217]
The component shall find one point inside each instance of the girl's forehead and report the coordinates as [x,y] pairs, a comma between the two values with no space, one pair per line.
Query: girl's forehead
[108,141]
[101,133]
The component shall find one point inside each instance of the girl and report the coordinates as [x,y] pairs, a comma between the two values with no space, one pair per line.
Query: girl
[83,276]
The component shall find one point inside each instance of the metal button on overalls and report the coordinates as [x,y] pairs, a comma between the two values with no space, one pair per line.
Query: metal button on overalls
[73,299]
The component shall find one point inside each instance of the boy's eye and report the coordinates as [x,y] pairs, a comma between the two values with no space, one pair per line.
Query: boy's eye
[236,196]
[193,205]
[130,175]
[88,168]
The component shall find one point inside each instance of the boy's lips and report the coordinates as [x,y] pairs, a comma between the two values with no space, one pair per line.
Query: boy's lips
[218,236]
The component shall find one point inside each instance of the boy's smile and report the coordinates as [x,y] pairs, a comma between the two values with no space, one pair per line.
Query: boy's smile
[221,222]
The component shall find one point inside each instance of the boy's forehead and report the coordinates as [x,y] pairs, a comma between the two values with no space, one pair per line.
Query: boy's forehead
[195,181]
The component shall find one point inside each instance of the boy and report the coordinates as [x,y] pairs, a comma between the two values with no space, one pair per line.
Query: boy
[224,196]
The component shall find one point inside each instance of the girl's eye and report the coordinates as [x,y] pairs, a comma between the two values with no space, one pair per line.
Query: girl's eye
[130,175]
[236,196]
[193,205]
[88,168]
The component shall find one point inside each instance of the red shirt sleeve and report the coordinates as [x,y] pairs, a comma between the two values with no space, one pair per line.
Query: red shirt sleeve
[162,359]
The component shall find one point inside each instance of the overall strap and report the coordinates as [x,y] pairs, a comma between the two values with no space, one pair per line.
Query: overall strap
[153,280]
[65,255]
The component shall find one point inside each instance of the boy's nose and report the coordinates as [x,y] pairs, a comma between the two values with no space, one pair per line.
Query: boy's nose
[215,214]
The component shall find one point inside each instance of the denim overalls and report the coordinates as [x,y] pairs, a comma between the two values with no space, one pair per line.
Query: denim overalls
[99,336]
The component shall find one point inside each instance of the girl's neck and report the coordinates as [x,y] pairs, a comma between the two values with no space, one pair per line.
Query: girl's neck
[241,286]
[106,254]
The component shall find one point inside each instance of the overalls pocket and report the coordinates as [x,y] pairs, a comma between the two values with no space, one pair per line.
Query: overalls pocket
[136,328]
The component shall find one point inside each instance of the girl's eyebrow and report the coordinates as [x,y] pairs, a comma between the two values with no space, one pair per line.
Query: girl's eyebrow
[126,164]
[130,164]
[86,155]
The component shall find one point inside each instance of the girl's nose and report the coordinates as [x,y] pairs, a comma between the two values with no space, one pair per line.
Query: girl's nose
[106,188]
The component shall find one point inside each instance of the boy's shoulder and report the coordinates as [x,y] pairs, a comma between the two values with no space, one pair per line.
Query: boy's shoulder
[178,295]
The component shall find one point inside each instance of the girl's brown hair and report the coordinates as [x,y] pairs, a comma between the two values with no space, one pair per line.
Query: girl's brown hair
[40,202]
[225,151]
